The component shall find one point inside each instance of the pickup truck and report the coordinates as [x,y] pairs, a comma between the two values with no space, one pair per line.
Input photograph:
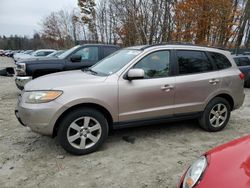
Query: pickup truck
[243,62]
[78,57]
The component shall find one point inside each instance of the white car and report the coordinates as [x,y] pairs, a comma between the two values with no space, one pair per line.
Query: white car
[20,55]
[36,54]
[56,53]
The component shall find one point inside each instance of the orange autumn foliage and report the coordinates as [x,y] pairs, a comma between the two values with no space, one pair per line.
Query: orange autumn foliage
[210,22]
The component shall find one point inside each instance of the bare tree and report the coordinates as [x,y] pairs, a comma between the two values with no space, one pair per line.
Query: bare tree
[135,22]
[244,26]
[63,27]
[89,16]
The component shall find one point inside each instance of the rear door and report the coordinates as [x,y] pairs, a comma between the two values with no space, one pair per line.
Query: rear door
[197,78]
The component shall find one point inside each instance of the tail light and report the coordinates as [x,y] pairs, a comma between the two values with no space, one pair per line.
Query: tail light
[242,76]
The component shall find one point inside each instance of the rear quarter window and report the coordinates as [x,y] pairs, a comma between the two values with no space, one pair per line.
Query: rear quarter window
[220,60]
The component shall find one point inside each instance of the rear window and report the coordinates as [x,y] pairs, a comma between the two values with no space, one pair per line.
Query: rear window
[191,62]
[242,61]
[220,60]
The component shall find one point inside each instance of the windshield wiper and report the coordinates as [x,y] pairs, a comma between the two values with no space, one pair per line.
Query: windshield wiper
[90,70]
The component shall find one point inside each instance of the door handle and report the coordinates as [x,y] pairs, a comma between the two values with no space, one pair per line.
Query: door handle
[214,81]
[167,88]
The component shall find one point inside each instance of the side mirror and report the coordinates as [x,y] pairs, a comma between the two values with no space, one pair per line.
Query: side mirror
[134,74]
[76,58]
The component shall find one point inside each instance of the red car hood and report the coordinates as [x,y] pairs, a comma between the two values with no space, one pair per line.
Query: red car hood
[229,165]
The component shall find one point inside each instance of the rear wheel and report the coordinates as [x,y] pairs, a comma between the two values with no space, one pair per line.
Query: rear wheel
[83,131]
[216,115]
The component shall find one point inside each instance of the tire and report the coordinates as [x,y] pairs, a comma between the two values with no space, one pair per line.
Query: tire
[216,115]
[83,131]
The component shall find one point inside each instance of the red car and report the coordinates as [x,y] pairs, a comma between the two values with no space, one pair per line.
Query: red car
[226,166]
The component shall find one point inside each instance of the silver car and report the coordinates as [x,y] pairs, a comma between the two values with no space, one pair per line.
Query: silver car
[134,86]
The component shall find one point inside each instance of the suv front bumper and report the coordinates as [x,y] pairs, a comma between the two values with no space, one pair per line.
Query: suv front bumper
[21,81]
[40,118]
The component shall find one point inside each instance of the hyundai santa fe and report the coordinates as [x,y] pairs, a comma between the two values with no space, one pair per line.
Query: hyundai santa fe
[134,86]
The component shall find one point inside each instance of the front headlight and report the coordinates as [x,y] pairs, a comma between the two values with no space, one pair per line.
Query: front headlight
[21,69]
[194,172]
[42,96]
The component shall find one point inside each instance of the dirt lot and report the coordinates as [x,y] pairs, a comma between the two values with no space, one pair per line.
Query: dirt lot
[157,158]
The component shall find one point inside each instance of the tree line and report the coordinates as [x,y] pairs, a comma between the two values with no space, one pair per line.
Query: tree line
[15,42]
[223,23]
[219,23]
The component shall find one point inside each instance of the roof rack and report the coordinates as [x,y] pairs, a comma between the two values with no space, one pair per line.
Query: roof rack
[181,43]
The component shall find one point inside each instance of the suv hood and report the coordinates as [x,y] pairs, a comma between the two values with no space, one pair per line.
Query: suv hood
[63,79]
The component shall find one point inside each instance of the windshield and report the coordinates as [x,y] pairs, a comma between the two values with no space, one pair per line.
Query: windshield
[68,52]
[33,53]
[114,62]
[56,53]
[28,52]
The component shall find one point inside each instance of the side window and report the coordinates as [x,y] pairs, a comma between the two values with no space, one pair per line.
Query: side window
[88,53]
[220,60]
[191,62]
[41,53]
[155,65]
[237,61]
[244,61]
[47,53]
[108,50]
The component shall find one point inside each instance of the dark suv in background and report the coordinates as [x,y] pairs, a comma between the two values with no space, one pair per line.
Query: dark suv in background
[78,57]
[243,62]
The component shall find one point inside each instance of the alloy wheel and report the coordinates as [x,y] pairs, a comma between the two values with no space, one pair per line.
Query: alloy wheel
[218,115]
[84,132]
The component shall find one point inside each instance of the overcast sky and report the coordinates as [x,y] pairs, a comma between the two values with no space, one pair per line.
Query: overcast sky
[22,17]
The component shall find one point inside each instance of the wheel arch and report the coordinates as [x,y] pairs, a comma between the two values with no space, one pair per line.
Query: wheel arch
[227,97]
[98,107]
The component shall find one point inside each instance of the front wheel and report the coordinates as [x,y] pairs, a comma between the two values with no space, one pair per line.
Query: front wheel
[83,131]
[216,115]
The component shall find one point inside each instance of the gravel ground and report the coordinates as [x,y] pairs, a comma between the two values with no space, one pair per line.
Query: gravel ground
[157,157]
